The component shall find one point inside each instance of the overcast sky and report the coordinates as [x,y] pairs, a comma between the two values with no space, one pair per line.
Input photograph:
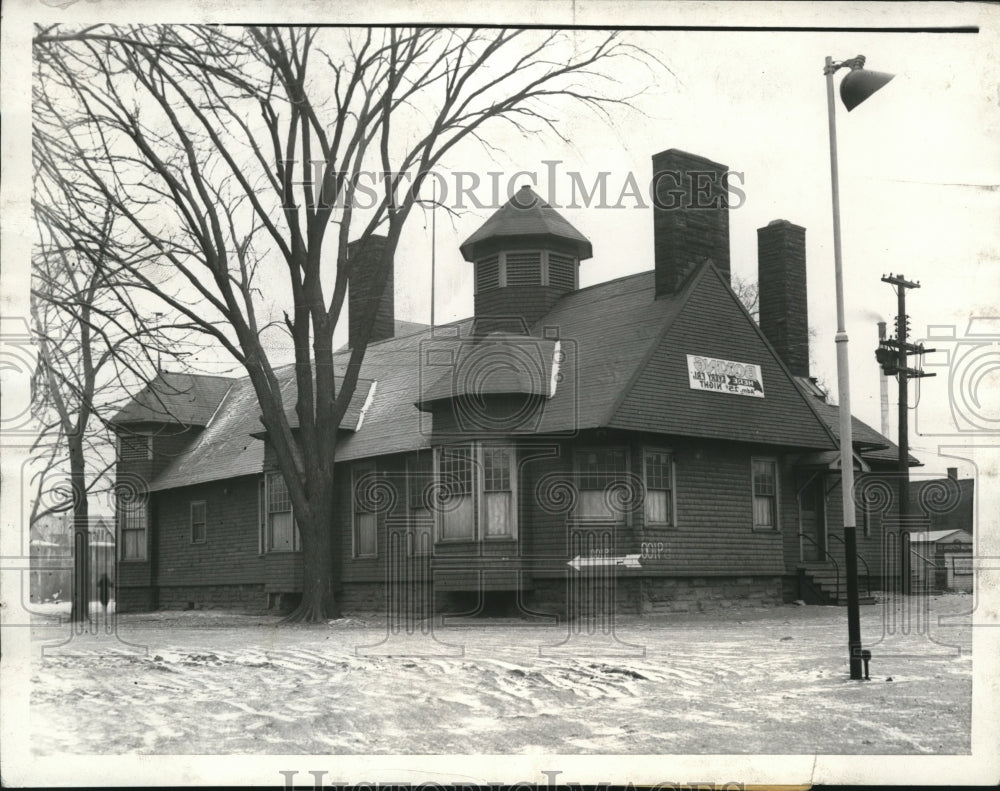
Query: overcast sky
[919,164]
[919,169]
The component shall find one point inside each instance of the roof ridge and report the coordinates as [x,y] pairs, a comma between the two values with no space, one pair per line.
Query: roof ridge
[682,297]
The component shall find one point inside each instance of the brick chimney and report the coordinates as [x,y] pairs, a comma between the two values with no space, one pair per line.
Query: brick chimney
[690,217]
[781,280]
[366,256]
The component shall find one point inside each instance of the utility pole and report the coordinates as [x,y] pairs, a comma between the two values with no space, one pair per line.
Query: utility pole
[892,356]
[883,388]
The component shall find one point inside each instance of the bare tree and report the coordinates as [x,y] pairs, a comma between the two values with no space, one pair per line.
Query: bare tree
[228,151]
[749,294]
[94,346]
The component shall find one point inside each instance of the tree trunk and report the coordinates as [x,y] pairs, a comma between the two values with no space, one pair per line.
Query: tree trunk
[319,604]
[81,535]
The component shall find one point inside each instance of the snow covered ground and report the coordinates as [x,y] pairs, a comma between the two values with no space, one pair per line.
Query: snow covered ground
[770,681]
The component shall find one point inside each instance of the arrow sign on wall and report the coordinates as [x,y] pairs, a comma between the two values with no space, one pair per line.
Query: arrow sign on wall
[626,561]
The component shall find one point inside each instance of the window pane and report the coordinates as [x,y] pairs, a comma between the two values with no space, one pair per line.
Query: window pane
[278,499]
[657,470]
[764,477]
[594,505]
[365,526]
[134,544]
[657,506]
[496,469]
[281,531]
[763,511]
[598,468]
[456,470]
[498,521]
[765,491]
[458,518]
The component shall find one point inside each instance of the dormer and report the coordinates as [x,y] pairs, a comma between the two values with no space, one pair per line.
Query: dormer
[526,256]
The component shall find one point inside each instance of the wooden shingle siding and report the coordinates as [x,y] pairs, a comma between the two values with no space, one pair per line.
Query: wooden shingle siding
[529,302]
[662,400]
[714,531]
[229,555]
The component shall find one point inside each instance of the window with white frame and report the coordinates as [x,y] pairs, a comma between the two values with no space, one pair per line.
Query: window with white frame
[765,494]
[365,514]
[419,477]
[457,505]
[199,522]
[281,532]
[133,519]
[498,492]
[659,482]
[479,486]
[596,470]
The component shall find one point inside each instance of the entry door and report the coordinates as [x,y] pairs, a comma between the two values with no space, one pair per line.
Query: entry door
[812,520]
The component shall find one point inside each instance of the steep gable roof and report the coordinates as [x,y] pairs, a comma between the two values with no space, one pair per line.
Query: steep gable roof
[660,397]
[621,363]
[176,398]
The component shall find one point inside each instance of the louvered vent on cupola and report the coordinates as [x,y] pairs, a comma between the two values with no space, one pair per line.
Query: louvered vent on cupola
[526,256]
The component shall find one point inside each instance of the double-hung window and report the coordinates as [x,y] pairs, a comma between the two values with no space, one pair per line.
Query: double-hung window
[598,471]
[199,522]
[478,492]
[498,494]
[365,515]
[457,504]
[659,499]
[765,494]
[133,518]
[281,532]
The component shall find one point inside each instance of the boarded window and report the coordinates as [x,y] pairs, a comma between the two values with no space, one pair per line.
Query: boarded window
[765,494]
[597,472]
[199,523]
[659,488]
[524,268]
[487,273]
[562,271]
[135,447]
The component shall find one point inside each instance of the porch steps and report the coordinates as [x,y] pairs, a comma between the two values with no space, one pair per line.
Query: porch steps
[824,580]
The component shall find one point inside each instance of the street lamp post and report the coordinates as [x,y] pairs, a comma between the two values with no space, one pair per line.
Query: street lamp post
[856,86]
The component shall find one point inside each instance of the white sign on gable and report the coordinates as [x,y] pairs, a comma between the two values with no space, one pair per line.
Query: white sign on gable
[725,376]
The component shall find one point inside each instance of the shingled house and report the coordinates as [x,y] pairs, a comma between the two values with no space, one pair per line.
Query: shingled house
[645,427]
